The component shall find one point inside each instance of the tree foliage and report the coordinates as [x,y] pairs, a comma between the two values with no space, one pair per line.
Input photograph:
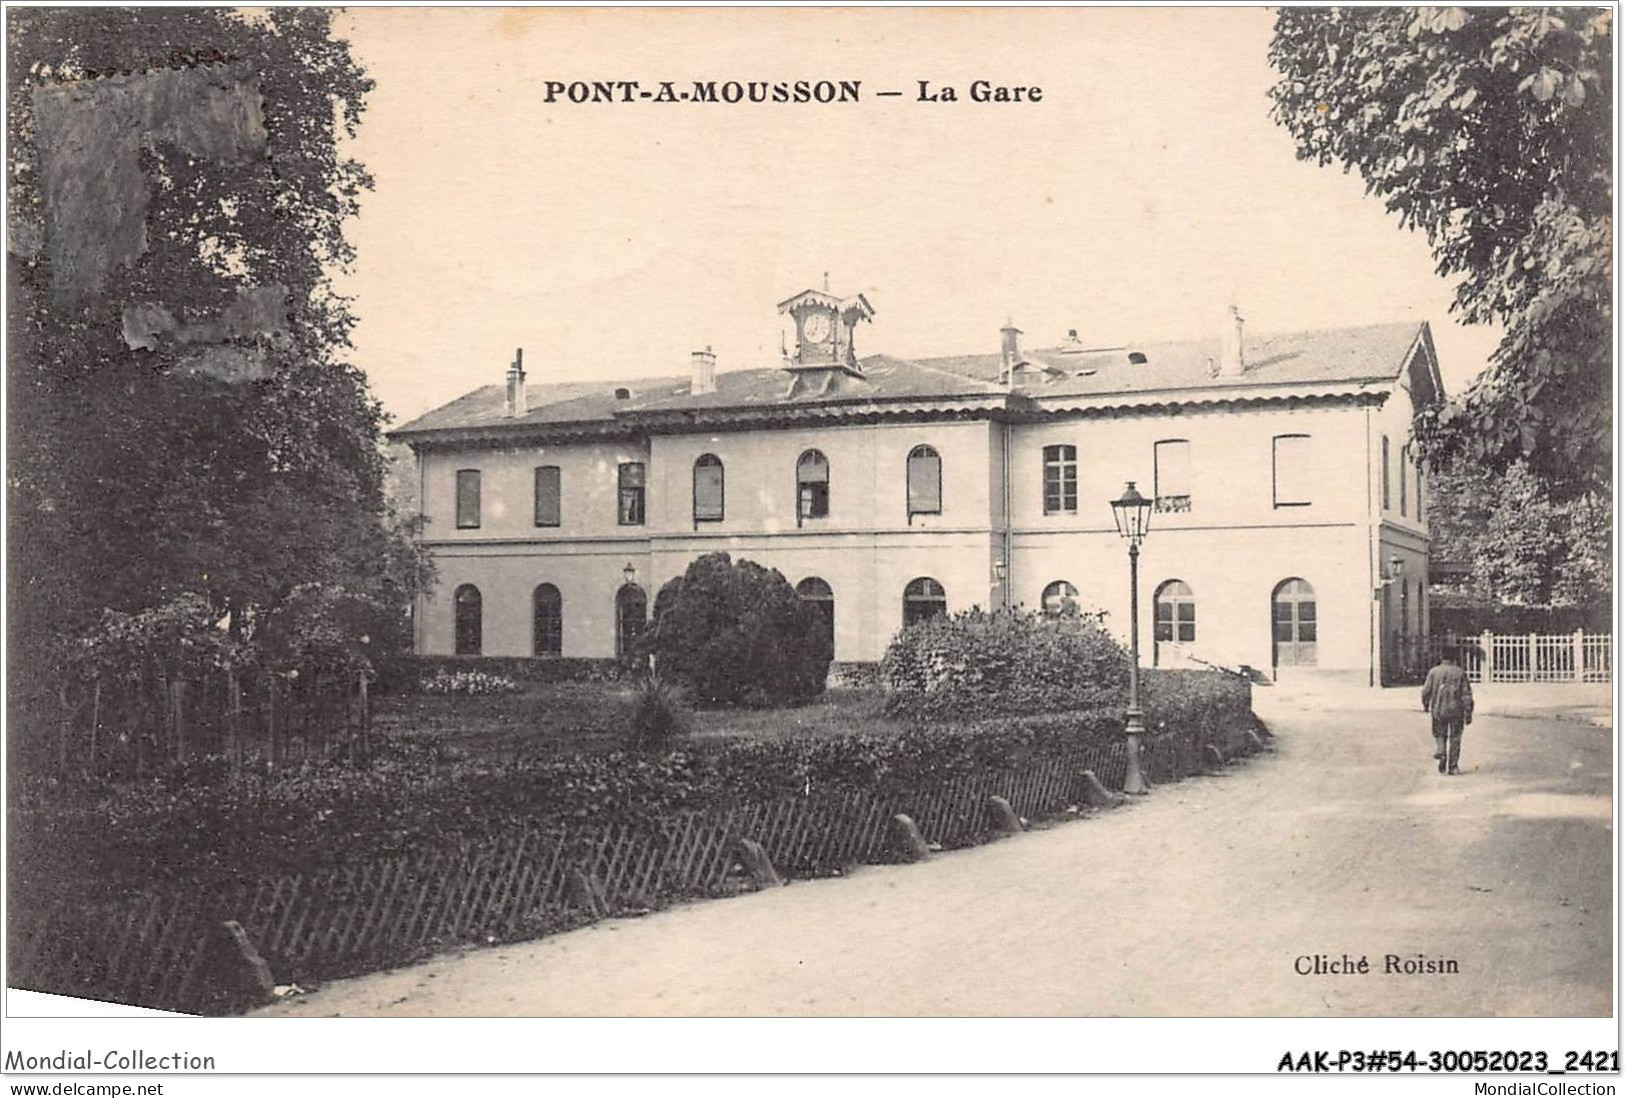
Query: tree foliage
[732,632]
[138,479]
[1526,548]
[1489,129]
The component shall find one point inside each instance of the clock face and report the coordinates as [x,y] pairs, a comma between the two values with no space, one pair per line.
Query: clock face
[815,327]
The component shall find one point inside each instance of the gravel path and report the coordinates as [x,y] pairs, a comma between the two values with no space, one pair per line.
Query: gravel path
[1199,900]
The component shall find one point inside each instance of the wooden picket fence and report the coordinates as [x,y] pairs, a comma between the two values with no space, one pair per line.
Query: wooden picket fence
[170,952]
[1516,658]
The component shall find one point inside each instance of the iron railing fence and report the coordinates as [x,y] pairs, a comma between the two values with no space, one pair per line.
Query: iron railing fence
[1510,658]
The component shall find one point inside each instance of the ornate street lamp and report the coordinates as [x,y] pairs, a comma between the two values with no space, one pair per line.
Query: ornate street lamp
[1133,516]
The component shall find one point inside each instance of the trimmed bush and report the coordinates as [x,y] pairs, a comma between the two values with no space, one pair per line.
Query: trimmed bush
[1008,662]
[735,633]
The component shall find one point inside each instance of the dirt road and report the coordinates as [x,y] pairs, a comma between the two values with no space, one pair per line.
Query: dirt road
[1206,898]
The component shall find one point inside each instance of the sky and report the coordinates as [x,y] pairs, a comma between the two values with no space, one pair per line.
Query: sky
[1142,194]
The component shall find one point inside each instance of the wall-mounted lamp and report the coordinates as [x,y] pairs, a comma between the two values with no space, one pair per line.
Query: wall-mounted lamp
[631,574]
[1395,574]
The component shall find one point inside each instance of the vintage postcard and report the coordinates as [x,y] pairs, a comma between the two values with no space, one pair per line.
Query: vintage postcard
[835,513]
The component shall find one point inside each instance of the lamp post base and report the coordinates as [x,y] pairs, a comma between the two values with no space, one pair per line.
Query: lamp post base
[1134,782]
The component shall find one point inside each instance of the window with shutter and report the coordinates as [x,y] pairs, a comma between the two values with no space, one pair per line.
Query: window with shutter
[1172,475]
[924,482]
[1404,477]
[547,495]
[1293,471]
[708,488]
[468,499]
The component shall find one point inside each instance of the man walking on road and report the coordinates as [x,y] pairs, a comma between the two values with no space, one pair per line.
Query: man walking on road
[1448,696]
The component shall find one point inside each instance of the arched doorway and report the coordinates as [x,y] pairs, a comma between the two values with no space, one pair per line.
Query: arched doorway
[469,612]
[631,615]
[815,591]
[1295,623]
[1174,621]
[547,621]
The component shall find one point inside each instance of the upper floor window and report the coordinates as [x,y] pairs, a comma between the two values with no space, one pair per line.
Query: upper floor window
[1173,474]
[631,493]
[1385,495]
[1292,470]
[1060,480]
[547,495]
[1404,475]
[468,499]
[924,482]
[812,485]
[1419,491]
[708,488]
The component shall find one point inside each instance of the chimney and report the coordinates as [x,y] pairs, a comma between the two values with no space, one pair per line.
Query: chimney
[516,384]
[1009,351]
[1231,362]
[705,372]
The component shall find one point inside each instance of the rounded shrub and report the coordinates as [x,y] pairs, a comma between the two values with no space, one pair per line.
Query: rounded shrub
[734,633]
[1008,662]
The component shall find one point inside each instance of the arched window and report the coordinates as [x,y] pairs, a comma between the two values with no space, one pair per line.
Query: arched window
[812,486]
[815,591]
[631,614]
[923,598]
[467,609]
[547,621]
[707,488]
[1060,598]
[1173,617]
[924,482]
[1295,623]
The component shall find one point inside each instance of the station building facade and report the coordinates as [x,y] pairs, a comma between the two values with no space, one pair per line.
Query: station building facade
[1289,531]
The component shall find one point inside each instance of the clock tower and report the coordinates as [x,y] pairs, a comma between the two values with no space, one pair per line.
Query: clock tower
[823,325]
